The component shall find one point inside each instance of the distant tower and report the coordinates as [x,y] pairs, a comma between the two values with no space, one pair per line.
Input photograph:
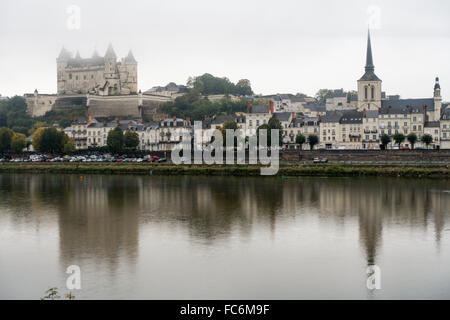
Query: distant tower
[369,86]
[131,69]
[111,72]
[61,64]
[437,100]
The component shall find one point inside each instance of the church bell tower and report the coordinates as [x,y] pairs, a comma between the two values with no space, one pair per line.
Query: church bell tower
[369,86]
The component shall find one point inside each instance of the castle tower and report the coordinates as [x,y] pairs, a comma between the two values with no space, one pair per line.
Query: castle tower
[61,64]
[131,72]
[111,72]
[369,86]
[437,101]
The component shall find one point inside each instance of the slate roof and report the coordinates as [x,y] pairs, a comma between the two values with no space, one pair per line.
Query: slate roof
[403,106]
[372,114]
[338,93]
[297,99]
[260,109]
[282,116]
[331,116]
[431,124]
[351,117]
[222,119]
[446,114]
[314,106]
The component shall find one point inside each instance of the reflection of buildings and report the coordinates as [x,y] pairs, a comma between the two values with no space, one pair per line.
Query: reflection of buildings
[100,216]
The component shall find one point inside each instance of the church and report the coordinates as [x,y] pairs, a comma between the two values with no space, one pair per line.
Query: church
[371,96]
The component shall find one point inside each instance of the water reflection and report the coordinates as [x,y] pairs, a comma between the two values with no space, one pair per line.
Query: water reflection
[100,219]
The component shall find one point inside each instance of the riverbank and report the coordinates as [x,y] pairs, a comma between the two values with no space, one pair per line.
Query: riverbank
[331,170]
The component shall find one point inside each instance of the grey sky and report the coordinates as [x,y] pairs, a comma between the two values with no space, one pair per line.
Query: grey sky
[280,46]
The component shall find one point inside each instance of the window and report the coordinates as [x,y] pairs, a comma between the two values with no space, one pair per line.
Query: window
[373,93]
[365,93]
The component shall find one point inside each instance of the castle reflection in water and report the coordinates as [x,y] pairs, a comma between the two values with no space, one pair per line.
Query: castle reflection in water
[100,217]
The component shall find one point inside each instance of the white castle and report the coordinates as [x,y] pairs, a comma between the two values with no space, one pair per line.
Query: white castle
[103,76]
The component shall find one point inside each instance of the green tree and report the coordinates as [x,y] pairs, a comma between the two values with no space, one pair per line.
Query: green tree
[130,139]
[385,140]
[243,87]
[323,94]
[412,138]
[69,146]
[313,140]
[399,138]
[427,139]
[5,139]
[18,142]
[115,140]
[49,140]
[300,139]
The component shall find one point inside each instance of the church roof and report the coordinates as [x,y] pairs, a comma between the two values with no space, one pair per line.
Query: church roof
[369,75]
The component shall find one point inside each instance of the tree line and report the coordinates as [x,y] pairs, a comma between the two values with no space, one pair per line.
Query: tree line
[13,115]
[208,84]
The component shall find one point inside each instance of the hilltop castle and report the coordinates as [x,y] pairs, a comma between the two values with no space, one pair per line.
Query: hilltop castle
[97,75]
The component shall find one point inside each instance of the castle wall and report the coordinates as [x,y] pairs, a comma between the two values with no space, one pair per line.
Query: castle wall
[38,105]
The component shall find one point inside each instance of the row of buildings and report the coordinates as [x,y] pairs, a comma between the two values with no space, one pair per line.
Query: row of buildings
[343,121]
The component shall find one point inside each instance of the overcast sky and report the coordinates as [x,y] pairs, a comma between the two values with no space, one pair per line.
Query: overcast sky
[280,46]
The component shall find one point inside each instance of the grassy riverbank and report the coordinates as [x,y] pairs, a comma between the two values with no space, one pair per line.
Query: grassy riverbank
[332,170]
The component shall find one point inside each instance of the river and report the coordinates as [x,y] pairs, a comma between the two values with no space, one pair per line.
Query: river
[158,237]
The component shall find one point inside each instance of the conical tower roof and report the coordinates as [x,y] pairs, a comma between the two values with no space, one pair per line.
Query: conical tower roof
[130,57]
[64,54]
[369,75]
[110,51]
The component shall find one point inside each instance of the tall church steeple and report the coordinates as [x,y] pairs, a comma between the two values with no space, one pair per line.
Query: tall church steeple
[369,58]
[370,68]
[369,86]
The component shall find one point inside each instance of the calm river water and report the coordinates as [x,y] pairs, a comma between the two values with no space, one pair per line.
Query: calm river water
[143,237]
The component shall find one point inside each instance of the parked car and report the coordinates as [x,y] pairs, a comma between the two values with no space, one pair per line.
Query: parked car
[162,160]
[319,160]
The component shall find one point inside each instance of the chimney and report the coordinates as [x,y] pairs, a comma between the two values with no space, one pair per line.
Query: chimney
[105,123]
[410,109]
[249,105]
[293,115]
[271,106]
[424,107]
[319,118]
[174,118]
[89,119]
[188,119]
[118,122]
[364,113]
[379,109]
